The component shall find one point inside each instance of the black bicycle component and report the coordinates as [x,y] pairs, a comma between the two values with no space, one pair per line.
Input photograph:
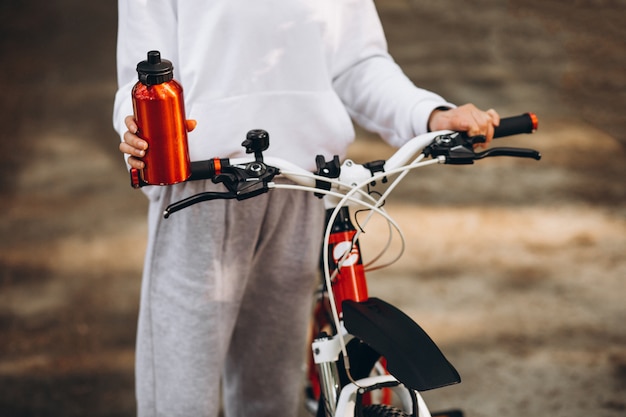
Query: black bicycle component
[247,180]
[382,410]
[328,169]
[206,170]
[458,148]
[257,141]
[251,179]
[514,152]
[515,125]
[412,356]
[375,167]
[242,181]
[198,198]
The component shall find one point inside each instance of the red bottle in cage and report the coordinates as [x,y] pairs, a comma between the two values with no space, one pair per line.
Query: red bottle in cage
[159,111]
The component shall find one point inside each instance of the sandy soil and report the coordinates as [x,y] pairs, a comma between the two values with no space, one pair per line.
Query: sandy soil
[516,268]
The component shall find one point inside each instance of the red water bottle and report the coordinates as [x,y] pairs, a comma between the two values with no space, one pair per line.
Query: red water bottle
[160,116]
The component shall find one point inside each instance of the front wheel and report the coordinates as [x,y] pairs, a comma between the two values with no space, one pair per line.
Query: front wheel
[382,410]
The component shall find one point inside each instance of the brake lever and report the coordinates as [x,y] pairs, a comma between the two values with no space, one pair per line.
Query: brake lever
[249,180]
[242,182]
[514,152]
[458,149]
[198,198]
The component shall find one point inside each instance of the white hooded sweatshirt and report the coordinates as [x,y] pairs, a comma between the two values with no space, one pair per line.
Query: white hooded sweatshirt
[300,71]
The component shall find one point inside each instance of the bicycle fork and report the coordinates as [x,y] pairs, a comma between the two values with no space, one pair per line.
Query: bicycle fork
[326,359]
[379,330]
[349,283]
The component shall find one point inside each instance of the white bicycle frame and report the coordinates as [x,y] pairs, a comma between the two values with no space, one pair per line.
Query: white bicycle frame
[357,185]
[348,190]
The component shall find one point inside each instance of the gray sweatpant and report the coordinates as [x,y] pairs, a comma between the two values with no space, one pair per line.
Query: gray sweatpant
[226,295]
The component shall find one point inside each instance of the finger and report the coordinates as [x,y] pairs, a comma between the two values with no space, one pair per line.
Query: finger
[475,124]
[488,135]
[135,163]
[130,150]
[495,117]
[131,125]
[483,126]
[135,141]
[493,122]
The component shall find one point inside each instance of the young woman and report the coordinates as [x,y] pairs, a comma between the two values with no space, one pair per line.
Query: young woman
[227,285]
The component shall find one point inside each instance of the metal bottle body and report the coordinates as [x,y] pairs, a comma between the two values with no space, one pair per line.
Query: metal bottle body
[160,116]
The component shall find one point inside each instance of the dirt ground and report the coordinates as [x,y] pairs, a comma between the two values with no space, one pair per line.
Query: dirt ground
[516,268]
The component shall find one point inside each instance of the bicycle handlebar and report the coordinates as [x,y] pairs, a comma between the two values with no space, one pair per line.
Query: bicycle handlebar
[515,125]
[247,177]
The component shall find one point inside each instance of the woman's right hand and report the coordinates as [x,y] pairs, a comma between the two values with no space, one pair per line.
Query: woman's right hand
[133,145]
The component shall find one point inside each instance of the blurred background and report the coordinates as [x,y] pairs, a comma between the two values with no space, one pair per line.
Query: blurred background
[516,268]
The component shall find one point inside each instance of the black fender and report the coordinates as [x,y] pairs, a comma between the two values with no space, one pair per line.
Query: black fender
[412,356]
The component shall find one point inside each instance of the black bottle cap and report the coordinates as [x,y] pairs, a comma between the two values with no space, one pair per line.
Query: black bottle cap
[155,70]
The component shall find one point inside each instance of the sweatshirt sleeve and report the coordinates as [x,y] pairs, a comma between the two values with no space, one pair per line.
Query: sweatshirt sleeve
[376,92]
[143,25]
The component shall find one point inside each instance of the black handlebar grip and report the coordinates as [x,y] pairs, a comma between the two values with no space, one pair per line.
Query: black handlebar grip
[207,170]
[515,125]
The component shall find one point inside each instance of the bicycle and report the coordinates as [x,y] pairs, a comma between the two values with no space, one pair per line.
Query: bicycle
[367,358]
